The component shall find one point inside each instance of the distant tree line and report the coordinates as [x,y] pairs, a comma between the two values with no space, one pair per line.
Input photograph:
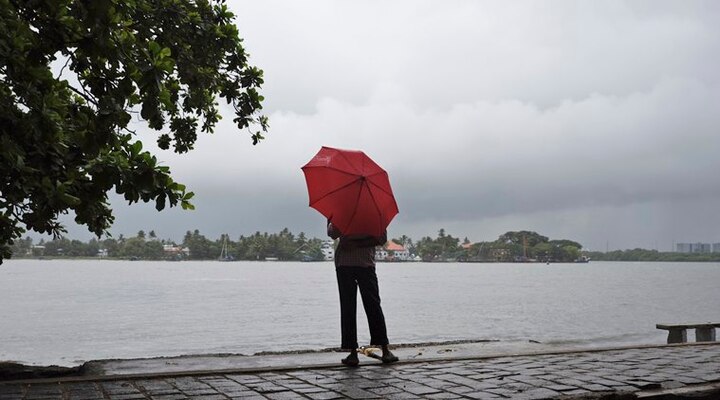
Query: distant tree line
[651,255]
[258,246]
[284,246]
[514,246]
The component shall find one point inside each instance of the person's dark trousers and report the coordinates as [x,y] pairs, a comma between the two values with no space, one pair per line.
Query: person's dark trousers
[349,280]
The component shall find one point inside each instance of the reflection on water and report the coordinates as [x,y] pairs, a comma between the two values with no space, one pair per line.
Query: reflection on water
[65,311]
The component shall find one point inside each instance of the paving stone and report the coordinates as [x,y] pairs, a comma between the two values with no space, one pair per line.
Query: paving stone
[536,394]
[526,377]
[43,396]
[241,394]
[483,396]
[324,396]
[385,390]
[265,387]
[288,395]
[439,384]
[688,380]
[43,393]
[571,382]
[593,387]
[310,389]
[401,396]
[84,395]
[363,383]
[244,379]
[443,395]
[117,388]
[200,392]
[419,389]
[253,397]
[501,391]
[561,388]
[529,380]
[158,388]
[176,396]
[127,396]
[460,390]
[645,385]
[357,393]
[194,387]
[577,392]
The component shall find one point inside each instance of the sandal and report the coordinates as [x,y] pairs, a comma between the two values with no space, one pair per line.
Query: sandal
[389,358]
[351,360]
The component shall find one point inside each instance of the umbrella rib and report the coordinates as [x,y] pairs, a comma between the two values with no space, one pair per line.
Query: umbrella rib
[332,168]
[350,162]
[335,191]
[374,202]
[382,188]
[352,218]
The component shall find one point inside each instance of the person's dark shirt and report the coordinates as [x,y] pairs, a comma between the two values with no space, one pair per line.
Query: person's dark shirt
[355,251]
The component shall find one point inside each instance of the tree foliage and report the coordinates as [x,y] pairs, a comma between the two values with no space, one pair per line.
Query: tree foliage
[652,255]
[74,74]
[524,246]
[521,238]
[444,247]
[284,246]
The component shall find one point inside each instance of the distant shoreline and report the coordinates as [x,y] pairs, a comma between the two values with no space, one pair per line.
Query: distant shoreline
[380,262]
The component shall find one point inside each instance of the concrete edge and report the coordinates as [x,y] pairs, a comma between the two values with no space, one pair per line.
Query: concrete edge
[696,391]
[290,368]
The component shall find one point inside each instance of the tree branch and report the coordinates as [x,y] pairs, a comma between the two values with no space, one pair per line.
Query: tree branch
[63,68]
[84,96]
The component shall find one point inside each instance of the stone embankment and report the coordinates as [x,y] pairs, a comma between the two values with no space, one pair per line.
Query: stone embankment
[689,371]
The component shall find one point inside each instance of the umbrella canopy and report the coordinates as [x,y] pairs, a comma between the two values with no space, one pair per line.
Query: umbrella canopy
[351,190]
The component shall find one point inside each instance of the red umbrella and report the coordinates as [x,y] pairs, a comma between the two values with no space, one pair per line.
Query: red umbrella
[351,190]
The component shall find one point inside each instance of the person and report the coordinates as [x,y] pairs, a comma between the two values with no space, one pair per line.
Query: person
[355,268]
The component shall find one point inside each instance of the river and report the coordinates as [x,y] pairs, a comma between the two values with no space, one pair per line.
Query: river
[68,311]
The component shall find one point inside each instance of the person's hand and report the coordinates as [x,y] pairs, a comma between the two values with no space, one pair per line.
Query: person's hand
[333,231]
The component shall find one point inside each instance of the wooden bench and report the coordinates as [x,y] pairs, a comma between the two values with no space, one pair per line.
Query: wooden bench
[677,333]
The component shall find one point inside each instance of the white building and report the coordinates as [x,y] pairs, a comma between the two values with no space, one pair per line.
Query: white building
[695,248]
[380,254]
[392,251]
[171,250]
[328,250]
[397,252]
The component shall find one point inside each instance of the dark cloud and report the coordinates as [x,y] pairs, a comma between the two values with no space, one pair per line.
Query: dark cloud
[588,120]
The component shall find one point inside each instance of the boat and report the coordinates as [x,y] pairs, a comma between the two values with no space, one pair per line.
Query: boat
[224,255]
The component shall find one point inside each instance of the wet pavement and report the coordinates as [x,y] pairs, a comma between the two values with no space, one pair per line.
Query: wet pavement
[641,372]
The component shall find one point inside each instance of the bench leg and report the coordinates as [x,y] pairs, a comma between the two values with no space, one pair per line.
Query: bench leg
[677,336]
[705,334]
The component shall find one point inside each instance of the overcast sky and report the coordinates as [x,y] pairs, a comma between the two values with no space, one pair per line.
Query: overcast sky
[587,120]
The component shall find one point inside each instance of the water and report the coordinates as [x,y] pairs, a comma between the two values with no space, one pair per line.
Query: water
[68,311]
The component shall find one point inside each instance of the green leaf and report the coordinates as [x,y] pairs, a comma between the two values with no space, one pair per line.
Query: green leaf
[187,205]
[69,199]
[160,203]
[135,148]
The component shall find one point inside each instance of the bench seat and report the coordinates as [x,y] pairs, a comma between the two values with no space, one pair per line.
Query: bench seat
[677,333]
